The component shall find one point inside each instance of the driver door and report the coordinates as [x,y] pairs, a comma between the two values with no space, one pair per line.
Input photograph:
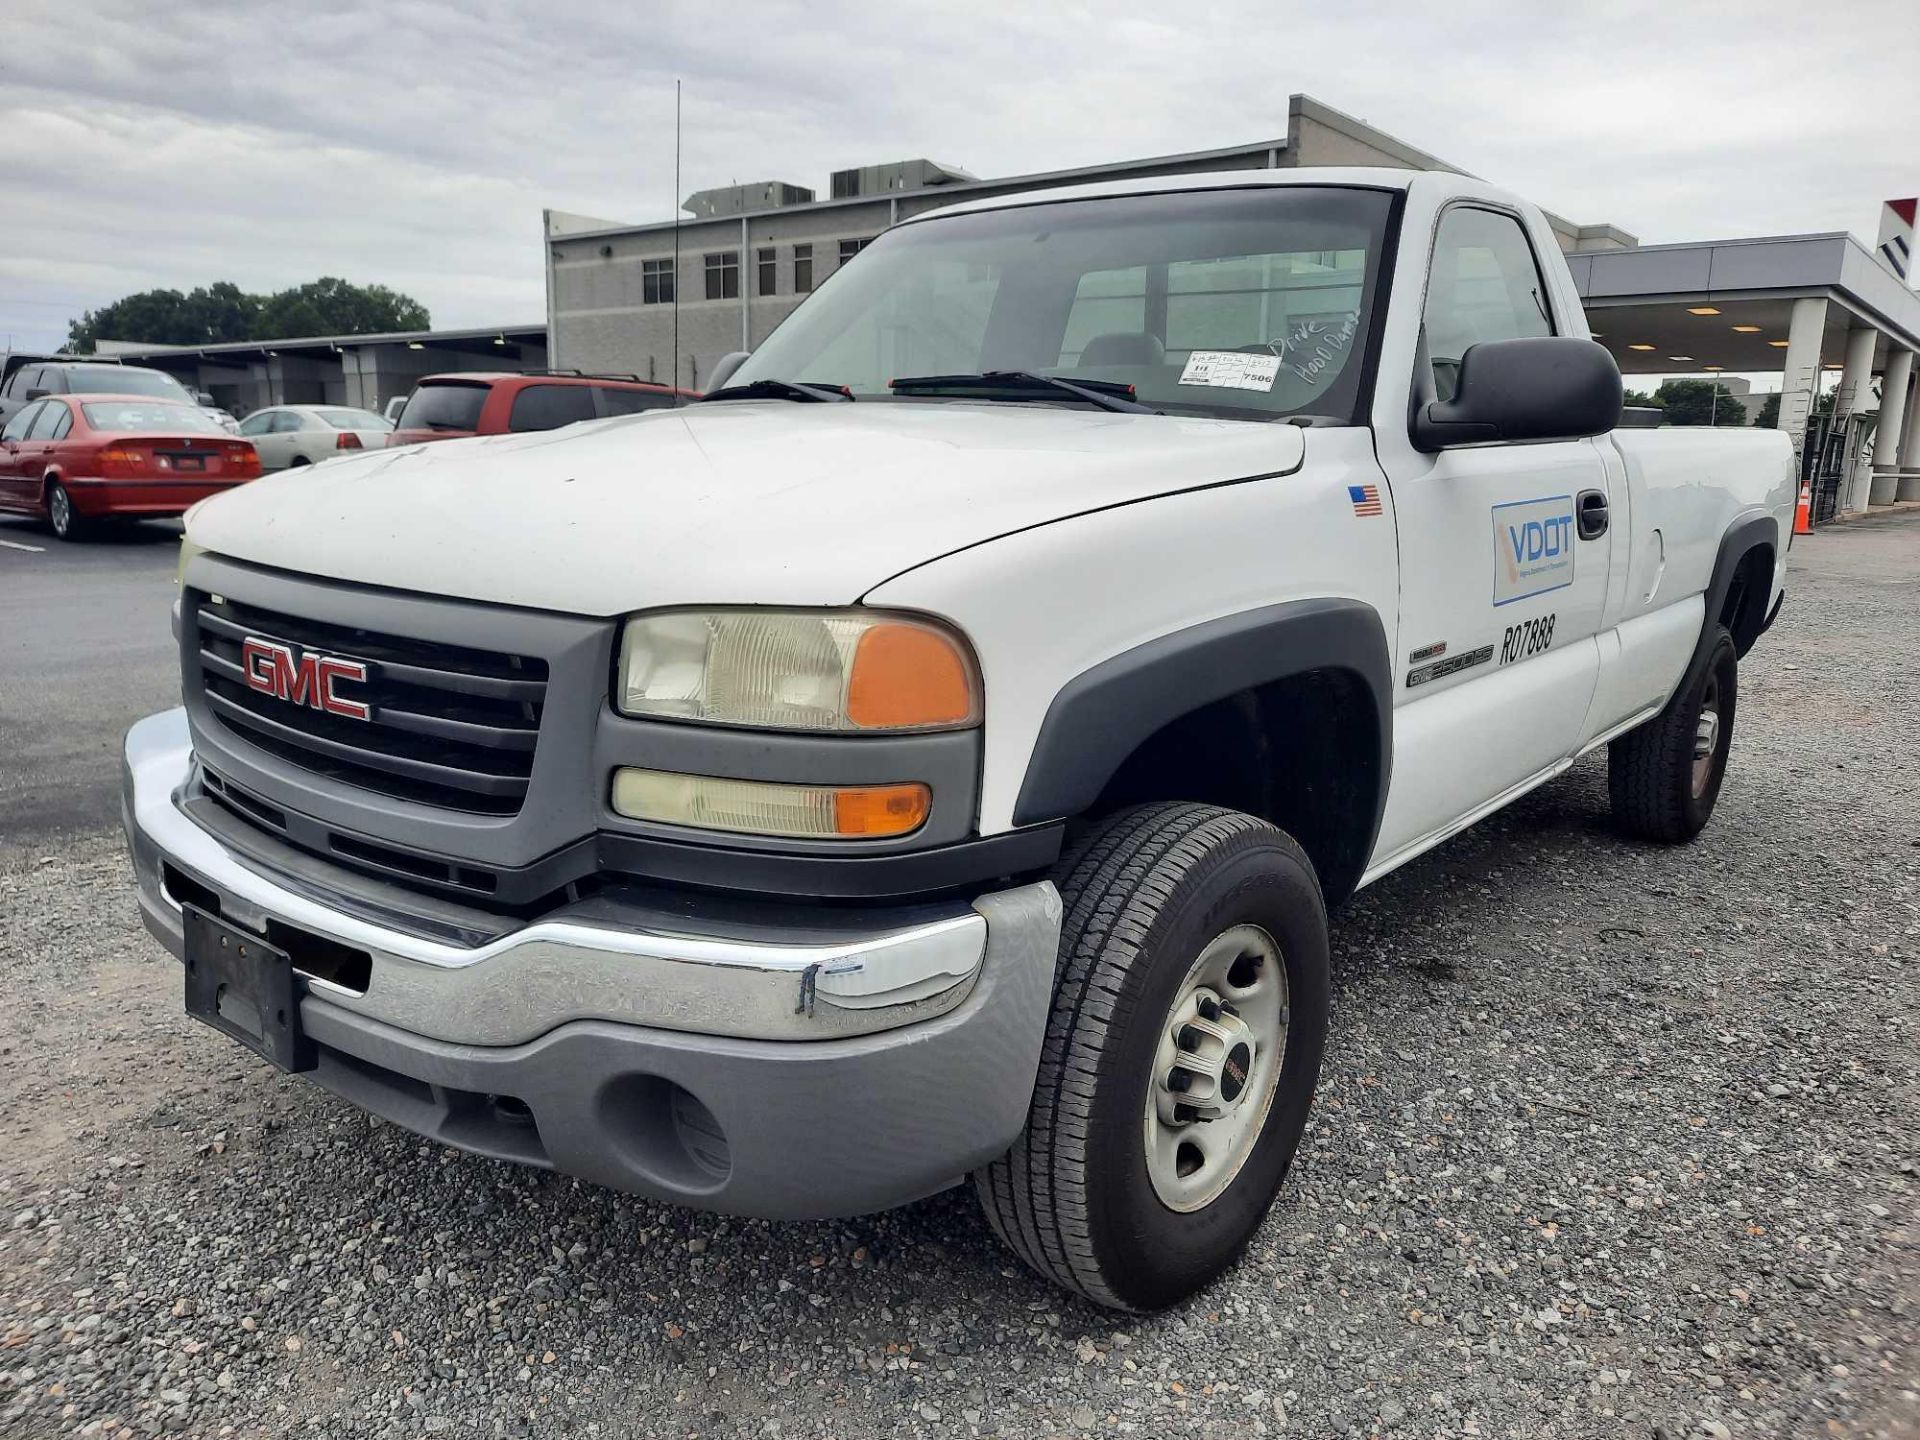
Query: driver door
[1500,600]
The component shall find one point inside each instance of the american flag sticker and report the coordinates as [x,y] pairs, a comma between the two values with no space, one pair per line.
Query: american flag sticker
[1366,499]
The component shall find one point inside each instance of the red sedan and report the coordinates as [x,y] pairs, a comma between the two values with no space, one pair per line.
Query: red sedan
[75,459]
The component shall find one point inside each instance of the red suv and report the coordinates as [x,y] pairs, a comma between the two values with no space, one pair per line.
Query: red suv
[447,407]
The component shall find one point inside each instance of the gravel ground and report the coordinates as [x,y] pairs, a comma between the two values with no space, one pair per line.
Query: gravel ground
[1612,1141]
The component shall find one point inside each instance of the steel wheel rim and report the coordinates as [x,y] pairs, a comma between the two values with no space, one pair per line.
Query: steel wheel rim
[60,510]
[1192,1160]
[1706,737]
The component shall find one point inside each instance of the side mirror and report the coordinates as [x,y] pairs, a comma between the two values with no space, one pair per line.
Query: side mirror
[724,367]
[35,393]
[1553,387]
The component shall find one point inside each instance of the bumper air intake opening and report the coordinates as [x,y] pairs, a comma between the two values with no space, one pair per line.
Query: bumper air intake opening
[665,1131]
[183,889]
[323,959]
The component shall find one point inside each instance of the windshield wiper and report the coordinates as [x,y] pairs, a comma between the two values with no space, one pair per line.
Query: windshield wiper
[1107,394]
[778,390]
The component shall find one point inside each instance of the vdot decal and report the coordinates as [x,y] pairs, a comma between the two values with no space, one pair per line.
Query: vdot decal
[1532,548]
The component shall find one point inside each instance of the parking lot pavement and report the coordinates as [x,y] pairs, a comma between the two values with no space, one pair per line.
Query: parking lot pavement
[84,650]
[1611,1141]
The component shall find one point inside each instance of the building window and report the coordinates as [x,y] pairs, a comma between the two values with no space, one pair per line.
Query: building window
[723,275]
[802,269]
[851,248]
[769,276]
[656,282]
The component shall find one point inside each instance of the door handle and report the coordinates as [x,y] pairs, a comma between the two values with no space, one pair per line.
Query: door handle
[1590,512]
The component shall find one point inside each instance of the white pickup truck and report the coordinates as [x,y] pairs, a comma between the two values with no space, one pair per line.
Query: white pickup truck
[933,755]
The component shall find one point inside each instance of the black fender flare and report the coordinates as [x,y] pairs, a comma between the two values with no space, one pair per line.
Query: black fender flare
[1743,537]
[1102,715]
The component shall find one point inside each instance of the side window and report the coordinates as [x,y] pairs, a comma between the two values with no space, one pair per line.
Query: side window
[547,407]
[22,421]
[1485,285]
[256,424]
[63,424]
[54,381]
[630,402]
[47,421]
[285,422]
[24,379]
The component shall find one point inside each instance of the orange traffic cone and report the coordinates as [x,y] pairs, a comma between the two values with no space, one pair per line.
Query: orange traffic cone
[1803,512]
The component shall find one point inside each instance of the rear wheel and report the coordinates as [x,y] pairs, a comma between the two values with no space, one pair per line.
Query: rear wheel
[67,522]
[1180,1056]
[1665,776]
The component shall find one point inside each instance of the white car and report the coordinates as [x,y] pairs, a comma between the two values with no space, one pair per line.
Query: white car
[934,755]
[291,435]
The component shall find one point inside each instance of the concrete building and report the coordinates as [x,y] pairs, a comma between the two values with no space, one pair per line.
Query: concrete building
[749,254]
[1795,305]
[361,370]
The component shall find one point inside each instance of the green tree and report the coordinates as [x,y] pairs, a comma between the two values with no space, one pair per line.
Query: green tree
[213,314]
[1692,402]
[1768,416]
[329,306]
[1641,400]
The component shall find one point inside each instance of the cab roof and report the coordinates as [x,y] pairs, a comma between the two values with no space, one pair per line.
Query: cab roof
[1350,176]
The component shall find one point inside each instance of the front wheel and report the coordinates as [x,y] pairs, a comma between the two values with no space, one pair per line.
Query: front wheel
[1180,1059]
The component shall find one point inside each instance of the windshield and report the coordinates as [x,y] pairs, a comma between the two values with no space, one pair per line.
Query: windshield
[125,415]
[123,380]
[1247,303]
[353,420]
[450,405]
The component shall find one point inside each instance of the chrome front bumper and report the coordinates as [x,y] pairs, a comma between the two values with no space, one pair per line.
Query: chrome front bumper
[682,975]
[738,1066]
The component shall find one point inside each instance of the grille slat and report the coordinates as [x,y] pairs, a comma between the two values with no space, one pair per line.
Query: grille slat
[496,687]
[447,725]
[437,725]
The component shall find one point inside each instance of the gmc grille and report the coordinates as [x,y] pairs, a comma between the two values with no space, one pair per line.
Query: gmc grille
[448,726]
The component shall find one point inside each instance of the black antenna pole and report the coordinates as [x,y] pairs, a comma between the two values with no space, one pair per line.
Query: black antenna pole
[676,234]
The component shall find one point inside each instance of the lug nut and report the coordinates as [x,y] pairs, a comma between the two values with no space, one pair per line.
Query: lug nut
[1226,1008]
[1207,1008]
[1188,1038]
[1185,1114]
[1179,1082]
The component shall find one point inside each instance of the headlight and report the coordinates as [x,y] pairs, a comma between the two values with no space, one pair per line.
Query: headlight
[797,670]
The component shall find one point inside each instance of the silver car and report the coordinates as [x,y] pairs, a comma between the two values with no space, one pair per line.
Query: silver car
[290,435]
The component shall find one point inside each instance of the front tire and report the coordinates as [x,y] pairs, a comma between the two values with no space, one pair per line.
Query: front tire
[67,523]
[1664,777]
[1180,1058]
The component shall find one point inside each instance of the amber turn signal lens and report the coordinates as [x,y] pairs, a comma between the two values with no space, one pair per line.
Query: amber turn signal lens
[758,807]
[879,810]
[906,676]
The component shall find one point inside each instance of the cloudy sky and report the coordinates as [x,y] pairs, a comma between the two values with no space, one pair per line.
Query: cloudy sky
[414,142]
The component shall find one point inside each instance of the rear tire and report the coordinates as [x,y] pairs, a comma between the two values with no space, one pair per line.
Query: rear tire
[1665,776]
[1117,1189]
[67,523]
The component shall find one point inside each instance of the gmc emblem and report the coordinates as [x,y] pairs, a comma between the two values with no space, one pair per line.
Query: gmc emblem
[274,669]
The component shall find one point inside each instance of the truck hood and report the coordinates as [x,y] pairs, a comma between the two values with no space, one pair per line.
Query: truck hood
[742,502]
